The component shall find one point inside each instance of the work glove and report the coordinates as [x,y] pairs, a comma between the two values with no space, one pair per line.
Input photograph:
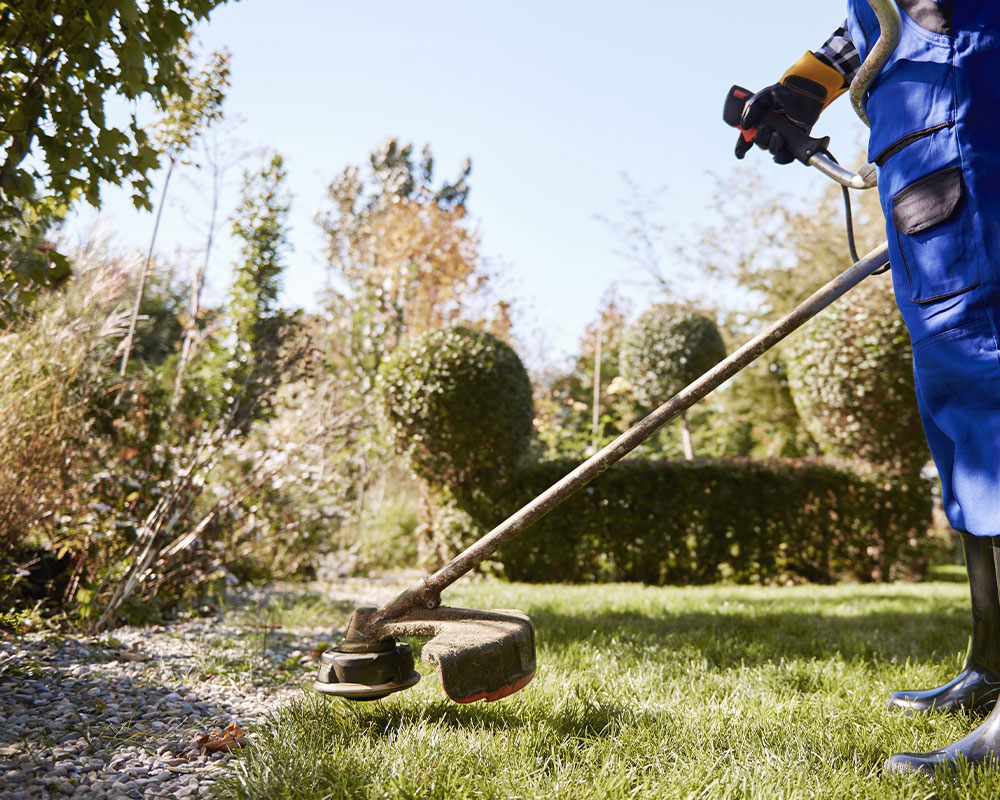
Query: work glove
[808,87]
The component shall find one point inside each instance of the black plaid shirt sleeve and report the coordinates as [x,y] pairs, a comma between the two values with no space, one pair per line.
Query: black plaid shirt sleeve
[840,53]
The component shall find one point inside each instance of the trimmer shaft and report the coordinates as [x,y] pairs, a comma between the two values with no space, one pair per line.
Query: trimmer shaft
[366,675]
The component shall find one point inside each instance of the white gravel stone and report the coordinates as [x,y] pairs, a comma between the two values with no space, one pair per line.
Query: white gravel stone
[82,718]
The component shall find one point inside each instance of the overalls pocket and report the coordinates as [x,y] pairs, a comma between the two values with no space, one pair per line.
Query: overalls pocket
[935,236]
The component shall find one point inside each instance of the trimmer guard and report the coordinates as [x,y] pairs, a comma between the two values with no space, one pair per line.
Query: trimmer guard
[480,655]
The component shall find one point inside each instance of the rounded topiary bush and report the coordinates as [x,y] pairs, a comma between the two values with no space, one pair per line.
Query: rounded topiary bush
[850,371]
[666,348]
[459,404]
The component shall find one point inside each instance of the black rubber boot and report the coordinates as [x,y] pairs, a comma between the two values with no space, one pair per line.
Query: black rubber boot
[977,686]
[981,747]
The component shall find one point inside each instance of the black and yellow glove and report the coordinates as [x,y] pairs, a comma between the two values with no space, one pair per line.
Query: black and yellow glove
[808,87]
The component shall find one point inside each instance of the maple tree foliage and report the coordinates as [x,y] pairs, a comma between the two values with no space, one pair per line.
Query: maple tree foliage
[61,60]
[62,64]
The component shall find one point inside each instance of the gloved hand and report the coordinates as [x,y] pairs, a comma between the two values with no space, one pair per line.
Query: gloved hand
[801,95]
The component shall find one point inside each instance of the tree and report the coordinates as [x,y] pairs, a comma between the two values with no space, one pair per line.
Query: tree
[402,256]
[565,400]
[28,265]
[60,61]
[220,154]
[664,350]
[655,254]
[250,347]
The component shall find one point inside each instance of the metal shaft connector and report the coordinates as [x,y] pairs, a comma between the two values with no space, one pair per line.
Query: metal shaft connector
[865,178]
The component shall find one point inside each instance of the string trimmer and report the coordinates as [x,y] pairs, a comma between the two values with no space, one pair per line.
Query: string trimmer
[486,655]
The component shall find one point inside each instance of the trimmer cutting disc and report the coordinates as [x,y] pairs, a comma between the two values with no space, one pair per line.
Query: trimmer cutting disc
[361,691]
[480,655]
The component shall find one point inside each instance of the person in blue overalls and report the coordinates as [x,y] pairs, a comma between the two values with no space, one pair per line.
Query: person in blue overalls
[935,138]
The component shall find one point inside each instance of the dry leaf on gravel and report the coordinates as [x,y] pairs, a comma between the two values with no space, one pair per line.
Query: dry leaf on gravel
[225,742]
[133,654]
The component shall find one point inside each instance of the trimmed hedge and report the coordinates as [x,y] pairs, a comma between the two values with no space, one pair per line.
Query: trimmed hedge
[664,522]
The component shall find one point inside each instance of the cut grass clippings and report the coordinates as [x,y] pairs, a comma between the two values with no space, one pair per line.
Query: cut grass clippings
[703,692]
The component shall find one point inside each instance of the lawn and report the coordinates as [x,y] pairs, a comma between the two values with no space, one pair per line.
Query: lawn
[705,692]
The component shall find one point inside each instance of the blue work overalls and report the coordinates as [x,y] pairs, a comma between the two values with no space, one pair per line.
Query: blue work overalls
[935,136]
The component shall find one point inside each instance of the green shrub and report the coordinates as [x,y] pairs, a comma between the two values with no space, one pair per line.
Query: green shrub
[664,350]
[851,376]
[667,348]
[459,404]
[662,522]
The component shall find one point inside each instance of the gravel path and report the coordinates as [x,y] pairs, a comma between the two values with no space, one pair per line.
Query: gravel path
[120,715]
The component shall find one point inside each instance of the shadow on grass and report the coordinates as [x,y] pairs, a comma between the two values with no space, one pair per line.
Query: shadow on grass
[333,725]
[583,720]
[947,573]
[316,748]
[759,635]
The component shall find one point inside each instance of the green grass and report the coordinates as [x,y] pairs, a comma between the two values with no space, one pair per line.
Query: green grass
[713,692]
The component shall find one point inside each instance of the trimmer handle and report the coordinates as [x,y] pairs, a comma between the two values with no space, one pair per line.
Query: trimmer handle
[811,152]
[800,144]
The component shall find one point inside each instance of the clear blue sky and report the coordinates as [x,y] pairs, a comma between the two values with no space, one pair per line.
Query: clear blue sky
[551,100]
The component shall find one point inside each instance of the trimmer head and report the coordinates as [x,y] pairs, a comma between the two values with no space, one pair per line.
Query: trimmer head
[480,655]
[358,675]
